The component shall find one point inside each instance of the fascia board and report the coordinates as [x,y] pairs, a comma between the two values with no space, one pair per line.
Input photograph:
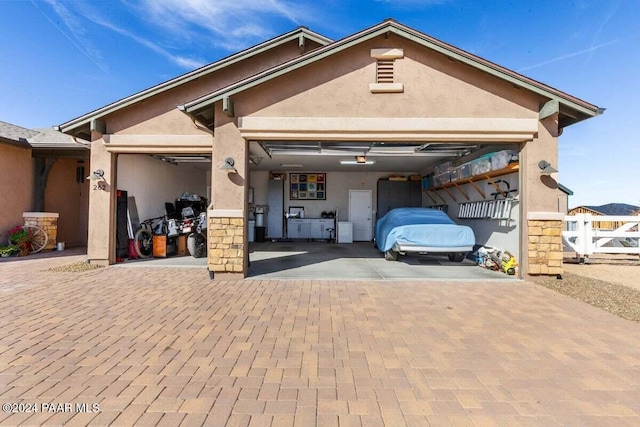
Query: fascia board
[192,75]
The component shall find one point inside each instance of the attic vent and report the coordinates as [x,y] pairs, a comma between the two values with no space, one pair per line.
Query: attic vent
[385,72]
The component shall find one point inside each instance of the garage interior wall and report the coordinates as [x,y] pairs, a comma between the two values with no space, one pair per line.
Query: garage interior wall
[70,200]
[501,234]
[153,182]
[338,186]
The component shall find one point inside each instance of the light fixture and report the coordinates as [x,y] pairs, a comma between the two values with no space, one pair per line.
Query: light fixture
[356,162]
[546,168]
[228,165]
[255,160]
[96,175]
[292,165]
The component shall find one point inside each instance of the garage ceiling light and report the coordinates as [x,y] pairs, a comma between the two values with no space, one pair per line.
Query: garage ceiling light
[291,165]
[355,162]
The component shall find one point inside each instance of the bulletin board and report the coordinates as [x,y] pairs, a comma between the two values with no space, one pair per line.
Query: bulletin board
[308,186]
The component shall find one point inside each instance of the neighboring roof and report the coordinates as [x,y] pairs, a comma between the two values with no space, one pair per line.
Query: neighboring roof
[565,190]
[45,138]
[15,135]
[84,120]
[49,138]
[572,109]
[612,209]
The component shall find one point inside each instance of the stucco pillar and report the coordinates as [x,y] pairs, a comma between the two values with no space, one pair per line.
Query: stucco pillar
[541,224]
[101,239]
[227,241]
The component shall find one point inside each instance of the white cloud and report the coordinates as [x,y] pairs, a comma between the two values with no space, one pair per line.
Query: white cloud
[230,24]
[568,55]
[171,27]
[77,34]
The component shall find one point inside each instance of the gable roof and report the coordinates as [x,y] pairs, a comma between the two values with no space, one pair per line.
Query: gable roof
[571,109]
[82,123]
[613,209]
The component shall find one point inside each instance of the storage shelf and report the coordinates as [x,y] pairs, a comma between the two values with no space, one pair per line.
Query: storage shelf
[511,168]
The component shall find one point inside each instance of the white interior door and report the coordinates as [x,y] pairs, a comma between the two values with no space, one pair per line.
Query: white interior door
[360,214]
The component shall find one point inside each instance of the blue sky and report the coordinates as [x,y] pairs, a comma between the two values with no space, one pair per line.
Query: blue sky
[62,59]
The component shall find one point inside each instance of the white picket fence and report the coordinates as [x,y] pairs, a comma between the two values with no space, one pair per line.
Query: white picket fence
[584,239]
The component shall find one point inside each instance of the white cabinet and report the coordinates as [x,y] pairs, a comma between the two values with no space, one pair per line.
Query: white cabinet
[299,228]
[345,232]
[320,228]
[310,228]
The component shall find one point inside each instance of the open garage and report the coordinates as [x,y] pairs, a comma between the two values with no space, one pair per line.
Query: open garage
[312,140]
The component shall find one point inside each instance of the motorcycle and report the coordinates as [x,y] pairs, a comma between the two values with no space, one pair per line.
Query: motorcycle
[195,227]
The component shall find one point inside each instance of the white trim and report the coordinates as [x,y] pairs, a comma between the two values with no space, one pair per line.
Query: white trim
[201,144]
[40,215]
[386,87]
[545,216]
[225,213]
[387,53]
[388,129]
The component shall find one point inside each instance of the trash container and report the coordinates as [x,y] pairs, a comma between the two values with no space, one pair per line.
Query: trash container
[260,233]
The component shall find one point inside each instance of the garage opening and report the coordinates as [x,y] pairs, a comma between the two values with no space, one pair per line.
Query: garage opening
[159,201]
[314,205]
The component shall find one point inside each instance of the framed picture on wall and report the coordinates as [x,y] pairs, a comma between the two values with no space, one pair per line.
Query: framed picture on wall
[307,186]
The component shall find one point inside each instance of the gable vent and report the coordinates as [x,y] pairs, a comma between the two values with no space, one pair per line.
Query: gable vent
[385,71]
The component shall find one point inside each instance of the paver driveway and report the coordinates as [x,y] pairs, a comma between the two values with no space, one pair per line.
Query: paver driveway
[166,346]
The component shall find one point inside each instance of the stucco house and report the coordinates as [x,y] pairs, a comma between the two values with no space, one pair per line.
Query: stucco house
[42,171]
[383,103]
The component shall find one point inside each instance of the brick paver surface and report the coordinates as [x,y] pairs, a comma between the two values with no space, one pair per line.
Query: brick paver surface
[162,346]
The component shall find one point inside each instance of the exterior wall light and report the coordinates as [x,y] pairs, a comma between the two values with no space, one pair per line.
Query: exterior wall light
[228,165]
[546,168]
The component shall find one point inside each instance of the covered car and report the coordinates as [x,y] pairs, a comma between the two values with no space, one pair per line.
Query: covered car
[422,230]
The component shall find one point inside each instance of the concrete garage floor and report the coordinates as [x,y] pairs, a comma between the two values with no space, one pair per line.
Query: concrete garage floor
[319,260]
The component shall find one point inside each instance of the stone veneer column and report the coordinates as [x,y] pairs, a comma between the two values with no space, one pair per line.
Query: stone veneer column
[545,243]
[48,221]
[226,245]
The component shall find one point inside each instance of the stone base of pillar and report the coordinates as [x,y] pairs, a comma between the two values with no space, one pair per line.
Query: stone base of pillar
[48,221]
[226,248]
[545,247]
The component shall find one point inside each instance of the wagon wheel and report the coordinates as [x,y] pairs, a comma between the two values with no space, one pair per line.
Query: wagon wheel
[39,238]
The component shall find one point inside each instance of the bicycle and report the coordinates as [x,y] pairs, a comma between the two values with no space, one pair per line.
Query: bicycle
[36,238]
[143,239]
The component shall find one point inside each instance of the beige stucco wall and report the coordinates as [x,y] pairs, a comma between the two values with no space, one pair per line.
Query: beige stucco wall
[158,115]
[16,186]
[433,87]
[101,236]
[70,200]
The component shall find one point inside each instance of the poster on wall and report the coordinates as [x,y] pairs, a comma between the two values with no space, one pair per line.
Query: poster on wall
[307,186]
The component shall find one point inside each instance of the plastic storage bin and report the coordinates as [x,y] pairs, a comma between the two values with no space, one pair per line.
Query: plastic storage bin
[442,168]
[501,159]
[442,178]
[464,170]
[481,165]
